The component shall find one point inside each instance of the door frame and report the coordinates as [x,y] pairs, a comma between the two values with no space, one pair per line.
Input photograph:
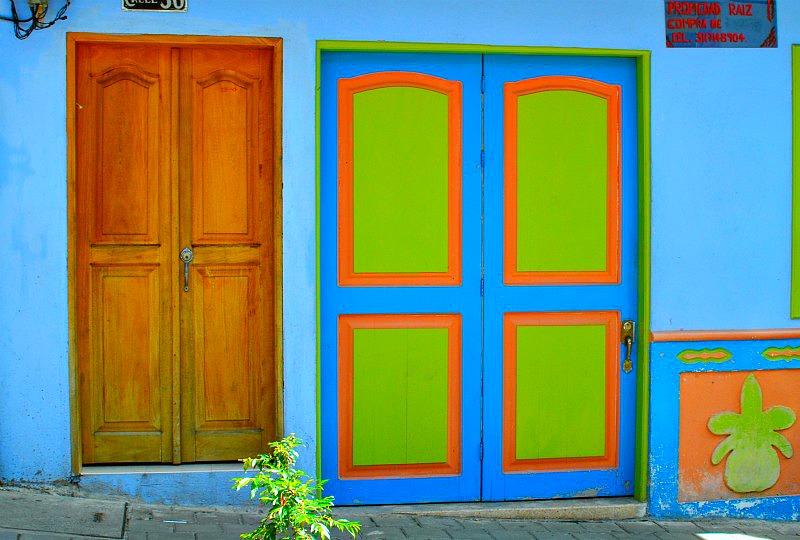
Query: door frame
[642,59]
[276,46]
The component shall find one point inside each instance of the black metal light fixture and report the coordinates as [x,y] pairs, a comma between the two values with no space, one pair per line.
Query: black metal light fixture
[23,27]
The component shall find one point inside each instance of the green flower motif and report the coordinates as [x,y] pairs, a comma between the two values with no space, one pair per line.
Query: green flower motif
[753,464]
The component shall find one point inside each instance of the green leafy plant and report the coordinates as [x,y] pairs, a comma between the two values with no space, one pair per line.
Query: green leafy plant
[753,464]
[296,506]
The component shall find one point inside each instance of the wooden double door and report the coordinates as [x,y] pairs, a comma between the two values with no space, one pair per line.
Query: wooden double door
[174,250]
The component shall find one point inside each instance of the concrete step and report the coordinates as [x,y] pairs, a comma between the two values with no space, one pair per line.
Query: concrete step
[29,510]
[600,508]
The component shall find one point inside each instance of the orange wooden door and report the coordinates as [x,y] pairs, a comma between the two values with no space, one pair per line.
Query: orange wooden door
[174,150]
[226,219]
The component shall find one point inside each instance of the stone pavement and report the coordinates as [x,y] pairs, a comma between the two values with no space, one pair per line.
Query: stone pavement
[27,514]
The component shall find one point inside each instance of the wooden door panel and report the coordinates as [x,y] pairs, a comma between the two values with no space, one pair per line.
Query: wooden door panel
[123,115]
[123,264]
[399,172]
[226,309]
[127,124]
[230,145]
[229,376]
[228,368]
[125,341]
[228,359]
[223,179]
[125,336]
[562,181]
[560,391]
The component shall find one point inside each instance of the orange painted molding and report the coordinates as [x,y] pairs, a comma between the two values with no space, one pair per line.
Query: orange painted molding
[347,325]
[724,335]
[347,89]
[611,93]
[609,460]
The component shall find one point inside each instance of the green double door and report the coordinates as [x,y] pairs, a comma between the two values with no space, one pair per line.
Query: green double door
[478,256]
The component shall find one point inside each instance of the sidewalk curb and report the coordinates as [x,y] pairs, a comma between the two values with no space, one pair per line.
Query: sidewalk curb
[564,510]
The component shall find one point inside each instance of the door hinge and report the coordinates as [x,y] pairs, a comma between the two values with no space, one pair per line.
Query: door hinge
[481,286]
[480,451]
[483,83]
[483,158]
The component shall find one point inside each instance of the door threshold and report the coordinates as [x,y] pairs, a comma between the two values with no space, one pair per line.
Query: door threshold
[600,508]
[159,468]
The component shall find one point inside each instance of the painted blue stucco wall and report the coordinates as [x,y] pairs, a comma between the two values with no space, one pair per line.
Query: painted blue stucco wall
[721,175]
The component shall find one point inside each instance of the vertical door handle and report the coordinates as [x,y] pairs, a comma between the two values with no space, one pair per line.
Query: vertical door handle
[186,256]
[628,337]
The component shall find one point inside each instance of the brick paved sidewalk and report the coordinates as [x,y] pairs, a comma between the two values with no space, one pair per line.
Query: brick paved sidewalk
[155,522]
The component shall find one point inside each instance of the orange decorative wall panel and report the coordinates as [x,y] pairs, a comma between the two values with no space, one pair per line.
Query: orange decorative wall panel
[752,435]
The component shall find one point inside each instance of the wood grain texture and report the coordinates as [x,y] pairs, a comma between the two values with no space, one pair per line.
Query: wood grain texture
[174,147]
[123,248]
[230,144]
[228,370]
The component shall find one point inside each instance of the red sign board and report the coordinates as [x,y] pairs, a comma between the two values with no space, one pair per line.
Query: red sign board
[721,24]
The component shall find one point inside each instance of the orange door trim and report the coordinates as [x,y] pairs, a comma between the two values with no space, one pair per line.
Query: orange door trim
[610,319]
[348,323]
[347,88]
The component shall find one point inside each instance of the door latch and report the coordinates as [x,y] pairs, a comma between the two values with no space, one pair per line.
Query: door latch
[628,337]
[186,256]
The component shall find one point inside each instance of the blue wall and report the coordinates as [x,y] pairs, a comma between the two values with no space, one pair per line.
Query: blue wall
[721,136]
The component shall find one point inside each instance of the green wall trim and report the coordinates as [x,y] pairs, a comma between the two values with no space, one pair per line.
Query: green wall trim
[642,58]
[641,474]
[318,289]
[394,46]
[794,310]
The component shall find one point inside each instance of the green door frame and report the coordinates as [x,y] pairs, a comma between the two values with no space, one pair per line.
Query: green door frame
[642,59]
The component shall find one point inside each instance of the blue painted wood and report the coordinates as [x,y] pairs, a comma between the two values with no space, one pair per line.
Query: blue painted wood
[482,254]
[464,299]
[500,298]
